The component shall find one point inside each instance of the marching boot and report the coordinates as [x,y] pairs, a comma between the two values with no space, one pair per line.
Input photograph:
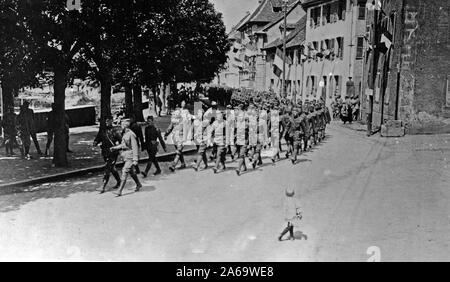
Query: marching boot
[138,183]
[158,169]
[122,185]
[117,177]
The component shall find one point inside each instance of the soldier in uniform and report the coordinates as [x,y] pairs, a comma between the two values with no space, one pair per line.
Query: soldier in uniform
[298,132]
[254,146]
[152,135]
[130,153]
[241,139]
[109,137]
[274,127]
[320,122]
[200,126]
[9,124]
[285,128]
[176,127]
[26,120]
[312,124]
[218,129]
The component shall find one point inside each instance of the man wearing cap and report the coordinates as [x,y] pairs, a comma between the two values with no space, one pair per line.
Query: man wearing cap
[26,121]
[129,151]
[218,131]
[108,137]
[230,130]
[254,146]
[297,133]
[152,135]
[201,139]
[176,128]
[241,138]
[210,115]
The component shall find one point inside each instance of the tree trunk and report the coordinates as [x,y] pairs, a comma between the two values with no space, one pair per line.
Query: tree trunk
[128,101]
[105,98]
[137,101]
[7,94]
[60,145]
[155,92]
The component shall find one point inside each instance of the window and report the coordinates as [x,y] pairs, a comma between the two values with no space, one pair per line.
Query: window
[313,85]
[340,42]
[315,17]
[342,9]
[361,10]
[337,83]
[360,48]
[316,49]
[326,14]
[447,93]
[331,48]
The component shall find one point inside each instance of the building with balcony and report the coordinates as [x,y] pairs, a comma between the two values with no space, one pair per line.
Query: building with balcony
[334,45]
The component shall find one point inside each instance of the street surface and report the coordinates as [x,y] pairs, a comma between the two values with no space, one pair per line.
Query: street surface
[356,192]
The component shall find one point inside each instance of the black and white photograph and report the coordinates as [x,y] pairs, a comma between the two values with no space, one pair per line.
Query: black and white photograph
[240,131]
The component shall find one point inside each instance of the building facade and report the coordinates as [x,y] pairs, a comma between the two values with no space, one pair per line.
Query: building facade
[412,76]
[334,44]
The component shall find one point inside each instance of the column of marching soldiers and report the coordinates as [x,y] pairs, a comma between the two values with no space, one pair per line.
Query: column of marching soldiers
[242,131]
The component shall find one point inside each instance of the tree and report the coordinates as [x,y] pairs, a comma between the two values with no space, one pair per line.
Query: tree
[198,42]
[17,67]
[58,36]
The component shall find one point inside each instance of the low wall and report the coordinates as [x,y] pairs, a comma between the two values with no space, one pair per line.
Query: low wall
[78,116]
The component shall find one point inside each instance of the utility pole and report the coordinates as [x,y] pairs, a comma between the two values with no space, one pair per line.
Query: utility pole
[283,85]
[374,71]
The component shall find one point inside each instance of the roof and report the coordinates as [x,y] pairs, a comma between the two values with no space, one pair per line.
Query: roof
[280,17]
[232,34]
[265,13]
[310,3]
[294,38]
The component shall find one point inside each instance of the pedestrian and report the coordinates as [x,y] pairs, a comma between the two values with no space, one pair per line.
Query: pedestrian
[274,128]
[201,139]
[129,151]
[51,127]
[292,213]
[355,107]
[9,124]
[26,121]
[311,126]
[230,131]
[158,105]
[136,127]
[210,115]
[108,137]
[297,133]
[285,128]
[152,135]
[242,139]
[346,111]
[254,147]
[218,130]
[176,129]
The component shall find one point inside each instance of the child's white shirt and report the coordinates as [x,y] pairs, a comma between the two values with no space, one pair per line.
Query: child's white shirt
[291,208]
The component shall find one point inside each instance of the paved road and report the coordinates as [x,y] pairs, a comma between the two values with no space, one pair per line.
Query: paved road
[356,193]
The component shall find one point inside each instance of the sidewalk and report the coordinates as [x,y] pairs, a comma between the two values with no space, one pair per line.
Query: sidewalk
[84,157]
[356,125]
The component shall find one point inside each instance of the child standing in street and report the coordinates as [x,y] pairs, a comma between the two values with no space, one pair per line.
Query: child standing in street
[292,213]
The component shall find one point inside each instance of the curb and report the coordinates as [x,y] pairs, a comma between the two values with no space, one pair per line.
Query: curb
[12,187]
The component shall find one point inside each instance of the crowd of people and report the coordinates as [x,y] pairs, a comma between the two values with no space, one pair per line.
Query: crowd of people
[242,132]
[20,129]
[347,110]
